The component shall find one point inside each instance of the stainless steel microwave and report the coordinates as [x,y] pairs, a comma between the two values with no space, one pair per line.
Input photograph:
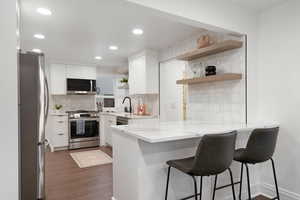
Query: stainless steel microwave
[81,86]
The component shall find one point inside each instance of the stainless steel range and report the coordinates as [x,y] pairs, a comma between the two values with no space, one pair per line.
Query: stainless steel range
[83,129]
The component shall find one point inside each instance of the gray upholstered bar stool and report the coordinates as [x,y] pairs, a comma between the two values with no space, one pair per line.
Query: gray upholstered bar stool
[213,156]
[260,148]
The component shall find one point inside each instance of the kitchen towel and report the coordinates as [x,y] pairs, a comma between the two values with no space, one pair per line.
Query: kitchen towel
[80,127]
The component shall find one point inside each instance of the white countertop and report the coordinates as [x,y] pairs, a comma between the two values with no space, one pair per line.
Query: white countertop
[53,113]
[128,115]
[170,131]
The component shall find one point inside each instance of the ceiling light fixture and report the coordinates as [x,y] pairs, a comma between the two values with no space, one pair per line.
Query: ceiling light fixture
[113,47]
[44,11]
[39,36]
[137,31]
[37,50]
[98,57]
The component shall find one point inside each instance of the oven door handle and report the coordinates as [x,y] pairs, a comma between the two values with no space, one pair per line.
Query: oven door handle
[85,119]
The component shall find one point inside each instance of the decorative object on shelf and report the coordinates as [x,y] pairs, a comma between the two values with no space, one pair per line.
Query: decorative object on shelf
[57,107]
[197,69]
[124,83]
[204,41]
[210,70]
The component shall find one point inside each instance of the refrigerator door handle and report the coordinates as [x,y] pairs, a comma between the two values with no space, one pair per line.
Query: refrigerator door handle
[46,99]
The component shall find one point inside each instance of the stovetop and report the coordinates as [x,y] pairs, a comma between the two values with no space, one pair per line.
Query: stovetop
[77,114]
[82,111]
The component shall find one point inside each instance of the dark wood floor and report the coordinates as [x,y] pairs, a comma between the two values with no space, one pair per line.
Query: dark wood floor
[65,180]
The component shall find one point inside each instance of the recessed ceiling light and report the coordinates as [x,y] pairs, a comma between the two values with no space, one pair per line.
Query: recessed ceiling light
[39,36]
[37,50]
[137,31]
[113,47]
[44,11]
[98,57]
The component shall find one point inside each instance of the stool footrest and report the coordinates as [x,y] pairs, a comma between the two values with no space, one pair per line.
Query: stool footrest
[189,197]
[225,186]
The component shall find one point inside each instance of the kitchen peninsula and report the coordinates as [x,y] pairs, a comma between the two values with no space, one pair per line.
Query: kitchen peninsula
[141,151]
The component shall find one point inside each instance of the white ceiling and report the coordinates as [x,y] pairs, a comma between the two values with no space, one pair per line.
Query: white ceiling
[258,5]
[79,30]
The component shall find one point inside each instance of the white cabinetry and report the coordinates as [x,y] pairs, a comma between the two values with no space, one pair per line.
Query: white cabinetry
[58,79]
[106,121]
[143,73]
[59,132]
[81,72]
[59,73]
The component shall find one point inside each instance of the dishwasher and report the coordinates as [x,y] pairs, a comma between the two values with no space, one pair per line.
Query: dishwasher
[122,120]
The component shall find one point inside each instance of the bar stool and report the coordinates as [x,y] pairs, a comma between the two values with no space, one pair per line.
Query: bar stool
[213,156]
[260,148]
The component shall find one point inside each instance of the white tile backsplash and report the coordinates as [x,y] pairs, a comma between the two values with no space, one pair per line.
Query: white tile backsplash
[75,102]
[214,102]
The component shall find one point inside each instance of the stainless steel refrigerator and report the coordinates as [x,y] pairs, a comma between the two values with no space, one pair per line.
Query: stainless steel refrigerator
[33,112]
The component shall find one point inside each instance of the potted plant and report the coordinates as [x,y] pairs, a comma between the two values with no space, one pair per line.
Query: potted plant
[57,107]
[124,83]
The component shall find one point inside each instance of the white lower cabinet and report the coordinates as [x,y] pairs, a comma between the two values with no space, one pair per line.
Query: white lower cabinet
[106,121]
[59,133]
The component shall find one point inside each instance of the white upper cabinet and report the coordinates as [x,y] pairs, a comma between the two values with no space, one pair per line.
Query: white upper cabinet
[59,73]
[58,79]
[81,72]
[143,73]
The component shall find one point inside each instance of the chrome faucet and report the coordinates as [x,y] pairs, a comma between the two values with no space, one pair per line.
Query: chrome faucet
[130,105]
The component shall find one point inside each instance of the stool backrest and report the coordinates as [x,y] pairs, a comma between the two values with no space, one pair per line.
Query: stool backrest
[261,144]
[215,153]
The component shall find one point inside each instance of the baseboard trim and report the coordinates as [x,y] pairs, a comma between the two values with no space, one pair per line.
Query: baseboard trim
[269,191]
[266,190]
[255,191]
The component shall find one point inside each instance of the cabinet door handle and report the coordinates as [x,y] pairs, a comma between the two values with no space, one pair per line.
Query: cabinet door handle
[60,122]
[60,134]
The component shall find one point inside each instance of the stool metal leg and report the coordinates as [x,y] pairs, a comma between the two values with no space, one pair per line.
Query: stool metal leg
[241,181]
[195,186]
[232,184]
[201,181]
[275,178]
[215,187]
[167,186]
[248,181]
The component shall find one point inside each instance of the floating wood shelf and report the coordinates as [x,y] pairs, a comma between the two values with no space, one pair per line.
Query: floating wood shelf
[210,50]
[207,79]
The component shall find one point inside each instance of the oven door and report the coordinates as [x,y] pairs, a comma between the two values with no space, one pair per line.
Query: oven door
[83,129]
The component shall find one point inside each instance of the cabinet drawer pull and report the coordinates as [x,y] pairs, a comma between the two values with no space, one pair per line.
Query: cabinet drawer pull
[60,134]
[60,121]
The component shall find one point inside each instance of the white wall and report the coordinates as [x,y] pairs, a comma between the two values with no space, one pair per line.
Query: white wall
[8,101]
[222,102]
[279,81]
[171,95]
